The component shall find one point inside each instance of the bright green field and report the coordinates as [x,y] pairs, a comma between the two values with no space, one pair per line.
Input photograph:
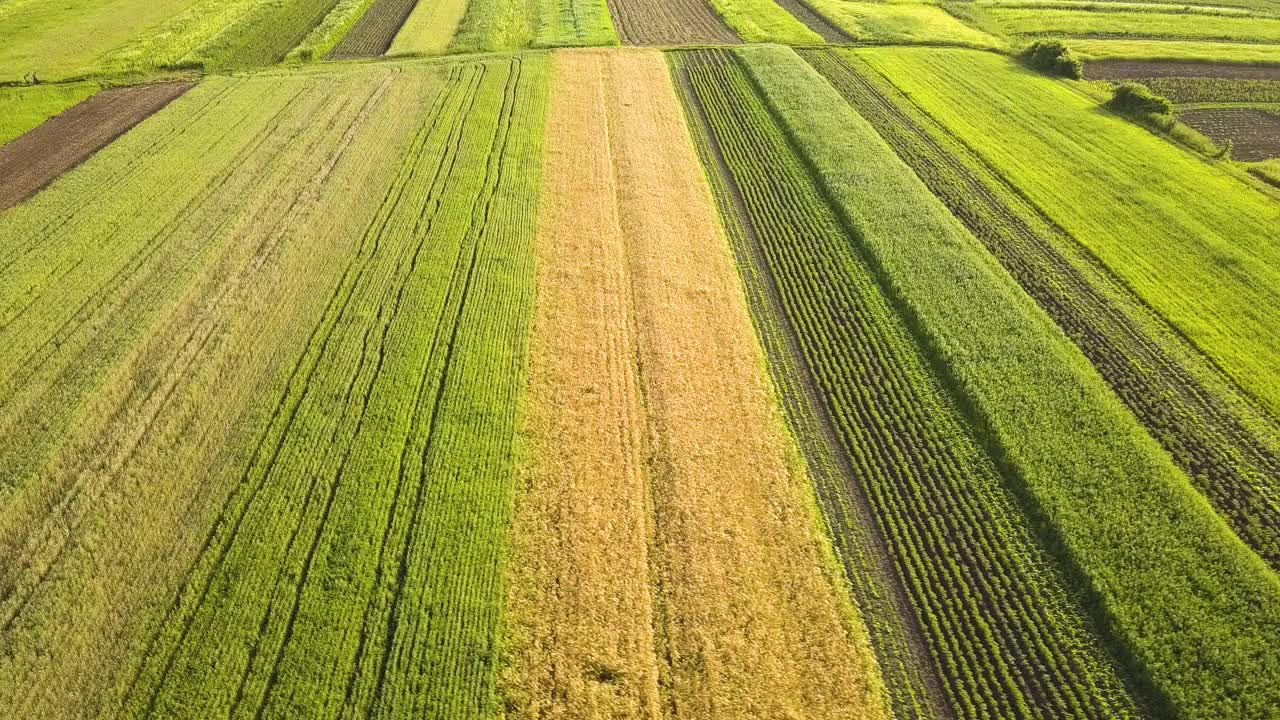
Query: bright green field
[22,108]
[1180,589]
[902,23]
[1132,198]
[1052,21]
[1177,50]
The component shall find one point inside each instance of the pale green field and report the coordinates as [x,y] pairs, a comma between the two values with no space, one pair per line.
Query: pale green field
[66,38]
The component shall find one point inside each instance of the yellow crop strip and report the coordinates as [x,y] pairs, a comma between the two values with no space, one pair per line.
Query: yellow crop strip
[658,466]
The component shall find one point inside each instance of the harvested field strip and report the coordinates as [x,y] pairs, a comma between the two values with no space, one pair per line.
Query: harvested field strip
[669,22]
[374,32]
[1253,133]
[997,620]
[1139,69]
[174,406]
[1176,592]
[378,490]
[1197,421]
[41,155]
[657,469]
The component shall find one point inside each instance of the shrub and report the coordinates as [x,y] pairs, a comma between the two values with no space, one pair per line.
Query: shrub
[1136,99]
[1055,58]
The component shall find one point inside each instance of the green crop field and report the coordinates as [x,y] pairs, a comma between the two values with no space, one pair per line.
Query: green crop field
[23,108]
[640,359]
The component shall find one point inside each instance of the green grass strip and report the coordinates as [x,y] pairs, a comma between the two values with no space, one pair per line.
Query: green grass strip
[1194,611]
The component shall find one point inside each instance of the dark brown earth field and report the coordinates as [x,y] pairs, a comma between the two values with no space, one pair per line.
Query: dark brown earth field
[1254,133]
[1140,69]
[678,22]
[37,158]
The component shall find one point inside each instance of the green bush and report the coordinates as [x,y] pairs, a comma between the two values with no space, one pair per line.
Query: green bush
[1055,58]
[1137,99]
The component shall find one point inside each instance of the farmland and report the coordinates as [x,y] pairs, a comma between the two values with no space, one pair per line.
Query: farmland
[640,359]
[656,479]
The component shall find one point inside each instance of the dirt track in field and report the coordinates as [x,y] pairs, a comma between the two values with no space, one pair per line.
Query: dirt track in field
[1141,69]
[39,157]
[1254,134]
[374,32]
[669,22]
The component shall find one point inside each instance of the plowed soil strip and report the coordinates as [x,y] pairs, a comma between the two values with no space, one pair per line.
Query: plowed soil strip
[1140,69]
[1254,133]
[669,22]
[373,33]
[39,157]
[815,22]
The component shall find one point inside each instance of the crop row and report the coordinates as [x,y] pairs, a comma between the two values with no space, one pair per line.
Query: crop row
[348,554]
[1228,462]
[1208,90]
[1005,636]
[679,22]
[132,416]
[402,408]
[1174,593]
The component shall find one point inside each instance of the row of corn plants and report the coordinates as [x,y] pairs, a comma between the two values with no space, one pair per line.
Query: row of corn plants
[1000,626]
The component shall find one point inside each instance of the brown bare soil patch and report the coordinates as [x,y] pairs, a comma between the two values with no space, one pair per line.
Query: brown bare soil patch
[669,22]
[667,560]
[1254,134]
[39,157]
[374,32]
[1143,69]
